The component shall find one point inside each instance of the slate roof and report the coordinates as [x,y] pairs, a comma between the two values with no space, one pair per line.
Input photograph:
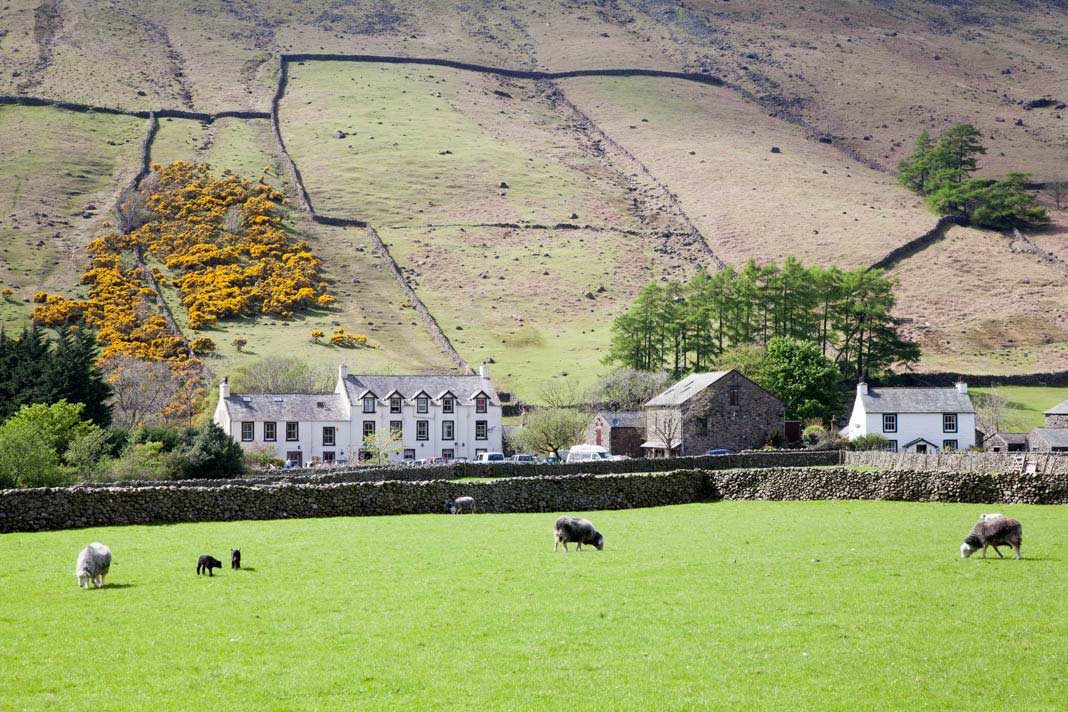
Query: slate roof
[916,400]
[286,406]
[1010,438]
[1059,409]
[463,387]
[687,388]
[623,419]
[1056,437]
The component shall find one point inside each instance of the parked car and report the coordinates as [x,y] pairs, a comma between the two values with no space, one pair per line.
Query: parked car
[588,453]
[551,460]
[490,457]
[524,459]
[720,451]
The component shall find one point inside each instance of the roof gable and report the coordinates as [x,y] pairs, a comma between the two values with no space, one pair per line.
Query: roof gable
[1059,409]
[286,406]
[355,384]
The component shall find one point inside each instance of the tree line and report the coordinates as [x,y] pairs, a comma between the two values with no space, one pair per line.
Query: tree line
[684,327]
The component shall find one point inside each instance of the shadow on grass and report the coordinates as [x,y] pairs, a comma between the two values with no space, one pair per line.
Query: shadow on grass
[248,568]
[117,585]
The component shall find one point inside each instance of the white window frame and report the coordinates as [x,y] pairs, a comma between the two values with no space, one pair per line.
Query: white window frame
[448,430]
[369,404]
[332,439]
[946,420]
[483,426]
[891,429]
[274,432]
[251,426]
[422,430]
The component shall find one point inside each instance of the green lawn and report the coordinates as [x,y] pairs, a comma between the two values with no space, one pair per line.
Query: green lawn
[751,605]
[1028,403]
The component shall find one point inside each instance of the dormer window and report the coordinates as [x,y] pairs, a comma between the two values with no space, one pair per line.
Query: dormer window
[447,405]
[480,404]
[369,404]
[395,404]
[422,404]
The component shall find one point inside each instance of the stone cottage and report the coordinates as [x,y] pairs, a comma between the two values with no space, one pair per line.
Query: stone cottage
[706,411]
[621,433]
[1048,440]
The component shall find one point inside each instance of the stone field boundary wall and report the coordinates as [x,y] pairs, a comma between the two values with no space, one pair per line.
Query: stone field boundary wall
[57,508]
[995,462]
[797,458]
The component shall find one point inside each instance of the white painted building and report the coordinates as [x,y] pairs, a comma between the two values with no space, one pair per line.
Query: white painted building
[445,415]
[924,420]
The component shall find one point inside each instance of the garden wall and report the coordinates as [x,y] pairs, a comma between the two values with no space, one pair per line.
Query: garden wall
[46,508]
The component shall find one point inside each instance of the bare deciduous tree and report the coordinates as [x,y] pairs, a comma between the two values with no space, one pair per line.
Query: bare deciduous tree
[140,390]
[994,412]
[547,430]
[665,426]
[281,374]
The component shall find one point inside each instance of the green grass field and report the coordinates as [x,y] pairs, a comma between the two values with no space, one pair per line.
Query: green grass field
[1028,403]
[753,605]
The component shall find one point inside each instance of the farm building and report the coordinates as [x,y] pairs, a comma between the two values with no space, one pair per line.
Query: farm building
[1006,442]
[705,411]
[1057,416]
[444,415]
[921,420]
[621,433]
[1048,440]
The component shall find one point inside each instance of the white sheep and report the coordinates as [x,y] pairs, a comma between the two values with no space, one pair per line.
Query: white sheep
[93,565]
[460,505]
[986,517]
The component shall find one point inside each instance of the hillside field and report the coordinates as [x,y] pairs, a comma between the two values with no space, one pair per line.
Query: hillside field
[712,606]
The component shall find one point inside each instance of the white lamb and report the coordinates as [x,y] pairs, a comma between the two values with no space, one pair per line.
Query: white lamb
[93,565]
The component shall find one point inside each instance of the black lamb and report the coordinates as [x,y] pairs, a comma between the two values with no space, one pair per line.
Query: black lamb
[1000,531]
[207,563]
[235,558]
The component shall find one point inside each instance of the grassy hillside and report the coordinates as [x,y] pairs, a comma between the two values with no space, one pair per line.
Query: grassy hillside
[425,151]
[53,166]
[1028,403]
[478,612]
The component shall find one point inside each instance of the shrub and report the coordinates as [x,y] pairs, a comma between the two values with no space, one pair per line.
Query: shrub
[812,434]
[871,441]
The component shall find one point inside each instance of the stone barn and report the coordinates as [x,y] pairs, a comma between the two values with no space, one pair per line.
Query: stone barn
[621,433]
[706,411]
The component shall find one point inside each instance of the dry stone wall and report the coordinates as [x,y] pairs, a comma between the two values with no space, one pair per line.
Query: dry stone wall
[1043,463]
[54,508]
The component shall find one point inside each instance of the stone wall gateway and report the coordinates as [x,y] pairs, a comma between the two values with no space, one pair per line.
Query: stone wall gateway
[58,508]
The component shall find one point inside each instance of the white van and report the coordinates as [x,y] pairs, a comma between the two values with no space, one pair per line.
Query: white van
[587,453]
[490,457]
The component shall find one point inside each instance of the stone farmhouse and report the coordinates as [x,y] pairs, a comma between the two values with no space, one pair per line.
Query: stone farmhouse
[621,433]
[449,416]
[921,420]
[705,411]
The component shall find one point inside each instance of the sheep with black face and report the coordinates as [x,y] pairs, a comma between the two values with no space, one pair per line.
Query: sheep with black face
[578,531]
[460,505]
[1000,531]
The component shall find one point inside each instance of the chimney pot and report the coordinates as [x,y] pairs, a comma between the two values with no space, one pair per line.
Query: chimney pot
[862,388]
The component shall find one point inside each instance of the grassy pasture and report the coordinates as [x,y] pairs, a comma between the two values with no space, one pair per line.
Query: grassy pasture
[760,605]
[392,168]
[713,148]
[54,164]
[979,307]
[1028,403]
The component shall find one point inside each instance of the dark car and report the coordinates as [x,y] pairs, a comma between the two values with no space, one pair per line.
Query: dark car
[720,451]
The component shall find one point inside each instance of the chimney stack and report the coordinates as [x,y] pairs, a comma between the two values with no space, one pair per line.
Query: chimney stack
[962,387]
[862,388]
[224,388]
[342,372]
[483,371]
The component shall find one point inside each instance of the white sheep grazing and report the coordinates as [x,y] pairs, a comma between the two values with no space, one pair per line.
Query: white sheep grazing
[462,504]
[986,517]
[93,565]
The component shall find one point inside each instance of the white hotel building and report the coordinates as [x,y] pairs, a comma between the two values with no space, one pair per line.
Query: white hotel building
[443,415]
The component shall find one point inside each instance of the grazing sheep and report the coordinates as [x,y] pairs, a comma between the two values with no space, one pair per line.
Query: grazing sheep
[235,558]
[997,532]
[207,563]
[460,505]
[93,565]
[579,531]
[988,516]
